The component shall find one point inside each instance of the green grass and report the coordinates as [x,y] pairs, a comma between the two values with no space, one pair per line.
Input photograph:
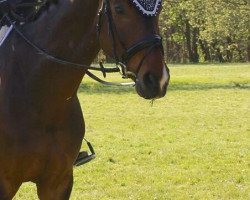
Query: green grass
[193,144]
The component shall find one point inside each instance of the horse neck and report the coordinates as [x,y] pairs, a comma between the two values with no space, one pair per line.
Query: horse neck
[67,30]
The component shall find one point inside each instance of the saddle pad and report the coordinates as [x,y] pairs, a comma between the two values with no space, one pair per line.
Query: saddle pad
[147,8]
[4,33]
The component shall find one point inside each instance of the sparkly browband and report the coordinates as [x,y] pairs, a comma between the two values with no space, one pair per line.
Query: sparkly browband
[147,7]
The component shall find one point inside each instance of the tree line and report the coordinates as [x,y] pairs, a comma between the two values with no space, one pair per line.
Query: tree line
[206,30]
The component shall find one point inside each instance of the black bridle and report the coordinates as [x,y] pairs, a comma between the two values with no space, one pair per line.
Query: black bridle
[149,43]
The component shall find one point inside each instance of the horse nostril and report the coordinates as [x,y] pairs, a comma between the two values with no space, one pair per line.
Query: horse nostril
[150,81]
[149,87]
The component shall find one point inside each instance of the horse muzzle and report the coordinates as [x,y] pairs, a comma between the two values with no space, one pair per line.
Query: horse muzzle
[150,86]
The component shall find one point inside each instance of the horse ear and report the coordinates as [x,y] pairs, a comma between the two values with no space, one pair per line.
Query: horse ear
[149,8]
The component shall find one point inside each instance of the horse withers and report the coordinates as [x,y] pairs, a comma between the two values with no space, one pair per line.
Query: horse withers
[41,122]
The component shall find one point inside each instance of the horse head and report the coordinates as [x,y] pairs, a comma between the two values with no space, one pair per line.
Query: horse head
[129,32]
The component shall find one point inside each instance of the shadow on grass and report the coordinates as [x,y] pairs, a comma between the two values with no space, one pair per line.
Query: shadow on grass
[208,86]
[92,88]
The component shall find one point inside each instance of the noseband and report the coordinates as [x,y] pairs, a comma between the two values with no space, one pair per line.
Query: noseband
[149,43]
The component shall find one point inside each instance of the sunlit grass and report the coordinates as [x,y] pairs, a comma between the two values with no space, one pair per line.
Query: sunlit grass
[193,144]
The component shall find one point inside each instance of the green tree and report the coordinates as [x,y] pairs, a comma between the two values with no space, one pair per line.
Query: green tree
[207,30]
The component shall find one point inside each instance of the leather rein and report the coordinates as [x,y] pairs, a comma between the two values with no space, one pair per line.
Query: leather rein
[148,42]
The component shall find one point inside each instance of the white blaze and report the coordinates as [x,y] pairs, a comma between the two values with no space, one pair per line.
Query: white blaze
[164,77]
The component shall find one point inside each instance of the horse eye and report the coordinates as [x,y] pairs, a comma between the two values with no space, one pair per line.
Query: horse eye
[119,9]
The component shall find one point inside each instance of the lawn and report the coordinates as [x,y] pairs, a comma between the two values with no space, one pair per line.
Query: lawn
[192,144]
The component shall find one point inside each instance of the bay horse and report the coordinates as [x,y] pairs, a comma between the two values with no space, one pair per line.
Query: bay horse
[41,122]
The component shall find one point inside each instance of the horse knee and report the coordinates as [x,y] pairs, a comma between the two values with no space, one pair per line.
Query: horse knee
[3,194]
[67,191]
[55,188]
[7,190]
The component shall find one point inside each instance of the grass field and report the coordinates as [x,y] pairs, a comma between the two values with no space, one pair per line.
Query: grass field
[193,144]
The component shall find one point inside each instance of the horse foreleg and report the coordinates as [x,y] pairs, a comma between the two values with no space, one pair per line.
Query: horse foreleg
[8,189]
[56,187]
